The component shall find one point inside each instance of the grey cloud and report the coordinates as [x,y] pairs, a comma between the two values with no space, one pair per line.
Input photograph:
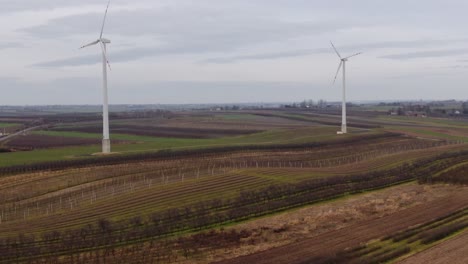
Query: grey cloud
[421,43]
[139,53]
[10,45]
[266,56]
[422,75]
[26,5]
[88,91]
[365,47]
[426,54]
[225,31]
[58,91]
[457,67]
[214,27]
[192,31]
[168,23]
[76,61]
[120,56]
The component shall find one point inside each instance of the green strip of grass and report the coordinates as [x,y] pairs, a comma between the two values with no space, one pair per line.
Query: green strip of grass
[237,117]
[5,125]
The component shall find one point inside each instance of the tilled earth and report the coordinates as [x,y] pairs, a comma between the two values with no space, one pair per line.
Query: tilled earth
[454,251]
[334,241]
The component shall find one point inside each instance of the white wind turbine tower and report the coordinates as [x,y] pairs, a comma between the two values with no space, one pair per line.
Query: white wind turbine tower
[343,61]
[106,145]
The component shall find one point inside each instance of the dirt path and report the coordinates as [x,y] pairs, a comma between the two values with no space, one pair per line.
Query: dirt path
[331,242]
[453,251]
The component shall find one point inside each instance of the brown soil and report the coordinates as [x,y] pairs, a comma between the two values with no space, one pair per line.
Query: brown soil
[453,251]
[456,132]
[326,229]
[44,141]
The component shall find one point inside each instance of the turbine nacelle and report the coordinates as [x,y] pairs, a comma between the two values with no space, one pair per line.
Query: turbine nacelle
[102,40]
[342,60]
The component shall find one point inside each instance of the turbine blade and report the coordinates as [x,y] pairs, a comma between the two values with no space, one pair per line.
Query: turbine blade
[90,44]
[353,55]
[338,71]
[104,52]
[104,21]
[337,53]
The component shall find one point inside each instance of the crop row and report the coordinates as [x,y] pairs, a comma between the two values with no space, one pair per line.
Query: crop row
[71,191]
[134,203]
[457,175]
[314,158]
[399,244]
[168,154]
[253,203]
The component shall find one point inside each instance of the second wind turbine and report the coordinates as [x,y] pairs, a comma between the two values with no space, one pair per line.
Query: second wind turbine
[343,61]
[106,144]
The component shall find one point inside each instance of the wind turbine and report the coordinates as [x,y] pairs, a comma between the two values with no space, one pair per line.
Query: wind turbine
[343,61]
[106,144]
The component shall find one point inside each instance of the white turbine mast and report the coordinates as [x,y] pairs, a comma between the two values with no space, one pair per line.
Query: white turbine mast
[106,144]
[343,61]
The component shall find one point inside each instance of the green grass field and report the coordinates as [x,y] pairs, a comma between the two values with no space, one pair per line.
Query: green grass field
[238,117]
[5,125]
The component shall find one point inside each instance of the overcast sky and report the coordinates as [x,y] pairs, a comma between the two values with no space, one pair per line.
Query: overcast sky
[227,51]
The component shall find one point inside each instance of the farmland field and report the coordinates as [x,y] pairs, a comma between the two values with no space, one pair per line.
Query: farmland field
[318,249]
[453,251]
[3,125]
[200,186]
[38,141]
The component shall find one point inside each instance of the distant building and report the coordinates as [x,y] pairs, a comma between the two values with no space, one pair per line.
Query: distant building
[416,114]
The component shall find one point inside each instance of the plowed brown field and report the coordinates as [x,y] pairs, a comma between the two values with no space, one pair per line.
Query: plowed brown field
[453,251]
[334,241]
